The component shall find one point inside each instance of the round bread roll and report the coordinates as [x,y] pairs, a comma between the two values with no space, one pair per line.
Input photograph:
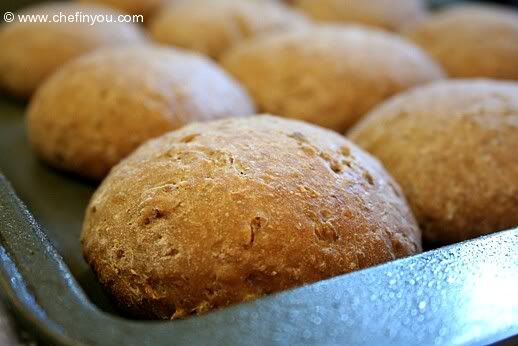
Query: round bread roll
[98,108]
[32,51]
[222,212]
[211,27]
[472,41]
[328,75]
[143,7]
[387,14]
[452,147]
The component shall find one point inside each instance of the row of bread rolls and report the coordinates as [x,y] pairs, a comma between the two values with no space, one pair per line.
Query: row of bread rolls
[234,209]
[144,7]
[485,36]
[468,41]
[97,109]
[212,27]
[388,14]
[223,211]
[108,96]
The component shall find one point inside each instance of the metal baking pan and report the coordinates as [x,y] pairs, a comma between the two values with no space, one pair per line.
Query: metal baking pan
[461,294]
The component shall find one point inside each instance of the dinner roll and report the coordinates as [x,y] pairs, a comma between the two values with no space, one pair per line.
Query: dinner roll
[452,147]
[97,109]
[472,41]
[31,51]
[211,27]
[143,7]
[328,75]
[222,212]
[387,14]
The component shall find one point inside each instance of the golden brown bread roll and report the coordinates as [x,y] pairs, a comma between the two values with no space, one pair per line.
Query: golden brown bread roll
[213,26]
[143,7]
[328,75]
[452,147]
[472,41]
[98,108]
[222,212]
[32,51]
[388,14]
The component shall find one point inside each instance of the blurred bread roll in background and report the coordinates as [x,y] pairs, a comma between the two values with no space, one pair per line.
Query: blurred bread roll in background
[472,40]
[31,51]
[226,211]
[98,108]
[143,7]
[328,75]
[213,26]
[452,147]
[388,14]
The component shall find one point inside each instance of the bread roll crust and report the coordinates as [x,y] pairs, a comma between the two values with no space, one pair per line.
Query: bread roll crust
[144,7]
[472,41]
[452,147]
[328,75]
[212,27]
[223,212]
[31,52]
[97,109]
[388,14]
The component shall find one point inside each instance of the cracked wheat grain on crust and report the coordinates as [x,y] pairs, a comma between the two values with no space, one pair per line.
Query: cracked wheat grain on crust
[97,109]
[212,27]
[328,75]
[222,212]
[472,41]
[452,148]
[387,14]
[33,51]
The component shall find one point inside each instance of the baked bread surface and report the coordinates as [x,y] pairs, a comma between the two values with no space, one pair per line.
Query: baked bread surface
[97,109]
[31,52]
[472,41]
[452,147]
[328,75]
[212,27]
[387,14]
[223,212]
[144,7]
